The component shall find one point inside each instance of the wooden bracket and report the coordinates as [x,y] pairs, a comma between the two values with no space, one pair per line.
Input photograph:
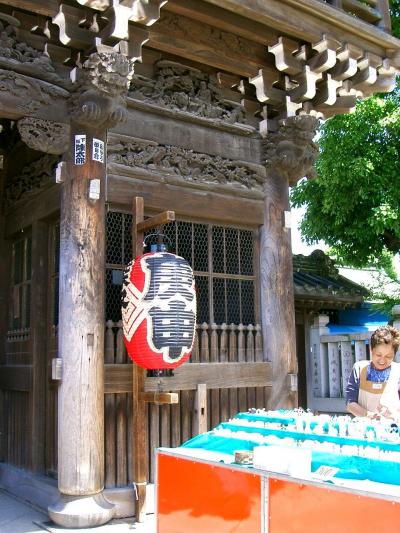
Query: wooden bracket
[157,220]
[159,397]
[285,60]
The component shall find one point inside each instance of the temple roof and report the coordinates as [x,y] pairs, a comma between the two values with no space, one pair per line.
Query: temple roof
[317,283]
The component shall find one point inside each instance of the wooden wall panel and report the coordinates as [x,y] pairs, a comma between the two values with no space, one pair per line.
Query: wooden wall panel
[16,427]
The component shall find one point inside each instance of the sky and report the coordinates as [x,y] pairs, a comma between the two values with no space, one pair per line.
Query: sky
[298,246]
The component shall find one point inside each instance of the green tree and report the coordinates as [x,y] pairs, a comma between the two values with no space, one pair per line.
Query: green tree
[354,203]
[395,15]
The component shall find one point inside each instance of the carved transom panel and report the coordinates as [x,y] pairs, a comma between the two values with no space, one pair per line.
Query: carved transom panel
[185,164]
[187,89]
[33,177]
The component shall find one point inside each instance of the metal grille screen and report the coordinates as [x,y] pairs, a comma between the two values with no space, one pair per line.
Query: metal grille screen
[222,259]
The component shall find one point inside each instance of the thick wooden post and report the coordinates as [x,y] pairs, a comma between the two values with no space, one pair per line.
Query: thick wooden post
[289,155]
[81,338]
[277,296]
[82,295]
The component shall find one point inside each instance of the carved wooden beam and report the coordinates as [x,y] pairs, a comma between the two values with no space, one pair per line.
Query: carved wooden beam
[368,72]
[325,58]
[142,11]
[386,81]
[316,75]
[146,11]
[343,104]
[264,83]
[44,135]
[284,51]
[307,87]
[291,108]
[346,65]
[327,91]
[117,27]
[45,100]
[68,20]
[132,47]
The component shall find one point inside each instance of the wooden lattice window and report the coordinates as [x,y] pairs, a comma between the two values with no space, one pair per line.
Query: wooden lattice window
[223,260]
[21,274]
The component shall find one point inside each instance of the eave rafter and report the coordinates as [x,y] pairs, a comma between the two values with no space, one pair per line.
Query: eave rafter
[321,79]
[65,31]
[42,44]
[276,74]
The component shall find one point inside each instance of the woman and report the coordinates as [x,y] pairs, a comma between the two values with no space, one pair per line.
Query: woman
[373,386]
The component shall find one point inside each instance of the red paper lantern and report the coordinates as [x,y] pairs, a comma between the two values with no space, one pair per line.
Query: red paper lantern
[159,310]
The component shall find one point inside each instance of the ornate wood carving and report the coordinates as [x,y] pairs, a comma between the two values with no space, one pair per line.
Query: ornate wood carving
[17,55]
[44,135]
[32,178]
[186,164]
[188,90]
[14,102]
[291,152]
[99,96]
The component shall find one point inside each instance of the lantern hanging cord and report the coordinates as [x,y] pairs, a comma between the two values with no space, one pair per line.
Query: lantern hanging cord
[158,235]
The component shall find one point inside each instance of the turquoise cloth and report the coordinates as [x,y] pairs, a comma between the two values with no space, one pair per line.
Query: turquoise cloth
[350,467]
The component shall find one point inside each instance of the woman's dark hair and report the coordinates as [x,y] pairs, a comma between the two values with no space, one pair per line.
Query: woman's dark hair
[386,335]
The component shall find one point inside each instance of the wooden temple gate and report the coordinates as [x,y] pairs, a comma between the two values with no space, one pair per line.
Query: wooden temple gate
[204,107]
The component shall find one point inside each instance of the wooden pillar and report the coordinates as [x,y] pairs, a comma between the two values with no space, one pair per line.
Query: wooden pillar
[81,339]
[82,298]
[277,295]
[289,155]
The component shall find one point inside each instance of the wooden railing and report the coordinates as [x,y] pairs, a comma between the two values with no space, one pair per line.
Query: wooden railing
[375,12]
[226,363]
[216,343]
[331,359]
[220,359]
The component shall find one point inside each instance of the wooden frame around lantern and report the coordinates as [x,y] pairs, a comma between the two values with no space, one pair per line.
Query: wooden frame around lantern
[139,226]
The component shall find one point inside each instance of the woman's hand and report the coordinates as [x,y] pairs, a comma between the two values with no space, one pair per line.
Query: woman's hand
[387,412]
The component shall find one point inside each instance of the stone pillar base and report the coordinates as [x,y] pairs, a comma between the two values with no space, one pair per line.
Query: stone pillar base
[81,511]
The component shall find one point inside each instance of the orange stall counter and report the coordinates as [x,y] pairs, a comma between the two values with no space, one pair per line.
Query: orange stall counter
[200,496]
